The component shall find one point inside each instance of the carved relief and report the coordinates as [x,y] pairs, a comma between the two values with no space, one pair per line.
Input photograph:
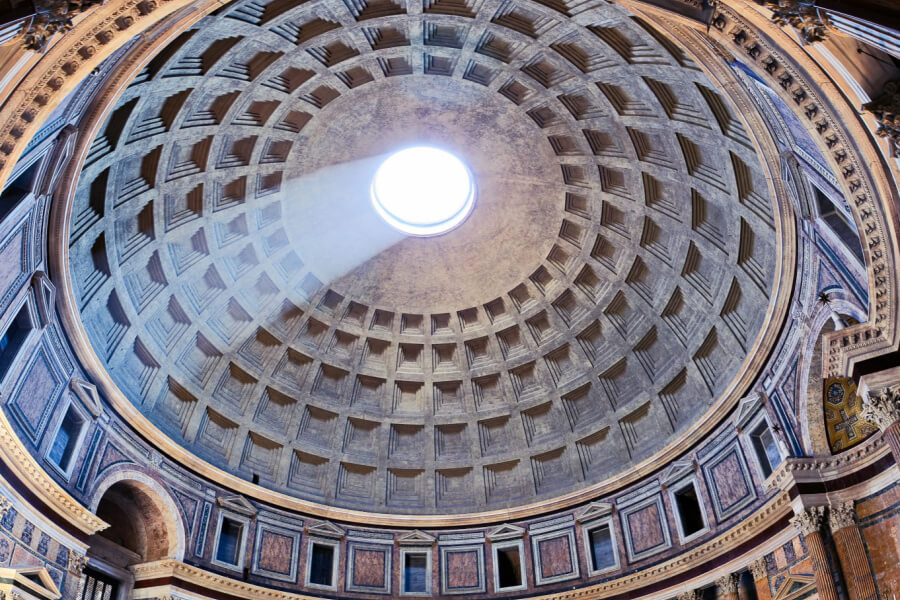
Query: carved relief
[886,109]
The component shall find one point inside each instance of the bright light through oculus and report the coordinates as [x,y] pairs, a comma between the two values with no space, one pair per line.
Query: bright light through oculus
[423,191]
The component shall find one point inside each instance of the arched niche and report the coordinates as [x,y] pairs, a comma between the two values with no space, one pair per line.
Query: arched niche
[144,522]
[837,313]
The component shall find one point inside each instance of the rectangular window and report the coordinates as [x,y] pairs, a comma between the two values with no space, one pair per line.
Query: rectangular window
[14,338]
[64,444]
[98,586]
[321,565]
[766,448]
[839,225]
[229,548]
[509,567]
[415,573]
[689,512]
[603,554]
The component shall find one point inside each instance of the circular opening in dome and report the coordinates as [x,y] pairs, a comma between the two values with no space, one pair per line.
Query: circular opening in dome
[423,191]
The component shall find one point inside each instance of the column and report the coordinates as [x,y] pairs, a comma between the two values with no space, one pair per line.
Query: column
[809,523]
[851,553]
[760,578]
[882,407]
[726,587]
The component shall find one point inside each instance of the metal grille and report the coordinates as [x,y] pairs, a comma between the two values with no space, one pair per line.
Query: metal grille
[97,586]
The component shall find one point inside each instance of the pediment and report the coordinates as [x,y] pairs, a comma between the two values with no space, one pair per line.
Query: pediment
[326,529]
[417,538]
[237,504]
[87,393]
[506,531]
[594,510]
[747,407]
[793,587]
[677,470]
[45,297]
[33,581]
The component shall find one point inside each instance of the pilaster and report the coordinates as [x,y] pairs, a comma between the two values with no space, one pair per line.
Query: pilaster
[851,552]
[808,522]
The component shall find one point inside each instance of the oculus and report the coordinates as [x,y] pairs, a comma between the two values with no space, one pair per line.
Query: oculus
[423,191]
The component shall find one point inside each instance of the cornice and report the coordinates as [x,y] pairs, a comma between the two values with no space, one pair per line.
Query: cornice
[817,469]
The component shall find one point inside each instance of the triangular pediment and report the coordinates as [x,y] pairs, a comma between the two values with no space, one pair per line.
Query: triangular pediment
[326,529]
[87,393]
[45,296]
[417,538]
[237,504]
[793,587]
[506,531]
[34,581]
[594,510]
[747,407]
[677,470]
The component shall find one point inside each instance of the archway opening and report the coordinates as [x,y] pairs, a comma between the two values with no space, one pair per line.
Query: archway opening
[137,531]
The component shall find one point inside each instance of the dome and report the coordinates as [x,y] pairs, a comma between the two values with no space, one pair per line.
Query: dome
[606,295]
[556,299]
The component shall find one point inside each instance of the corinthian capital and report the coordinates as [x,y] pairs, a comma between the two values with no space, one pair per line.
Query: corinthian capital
[688,595]
[809,520]
[758,569]
[802,16]
[841,515]
[882,407]
[727,584]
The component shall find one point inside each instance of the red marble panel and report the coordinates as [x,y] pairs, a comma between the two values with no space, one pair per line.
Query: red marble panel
[368,568]
[275,552]
[556,556]
[462,569]
[646,528]
[728,481]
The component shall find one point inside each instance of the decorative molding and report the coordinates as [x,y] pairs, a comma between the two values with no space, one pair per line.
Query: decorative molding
[809,520]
